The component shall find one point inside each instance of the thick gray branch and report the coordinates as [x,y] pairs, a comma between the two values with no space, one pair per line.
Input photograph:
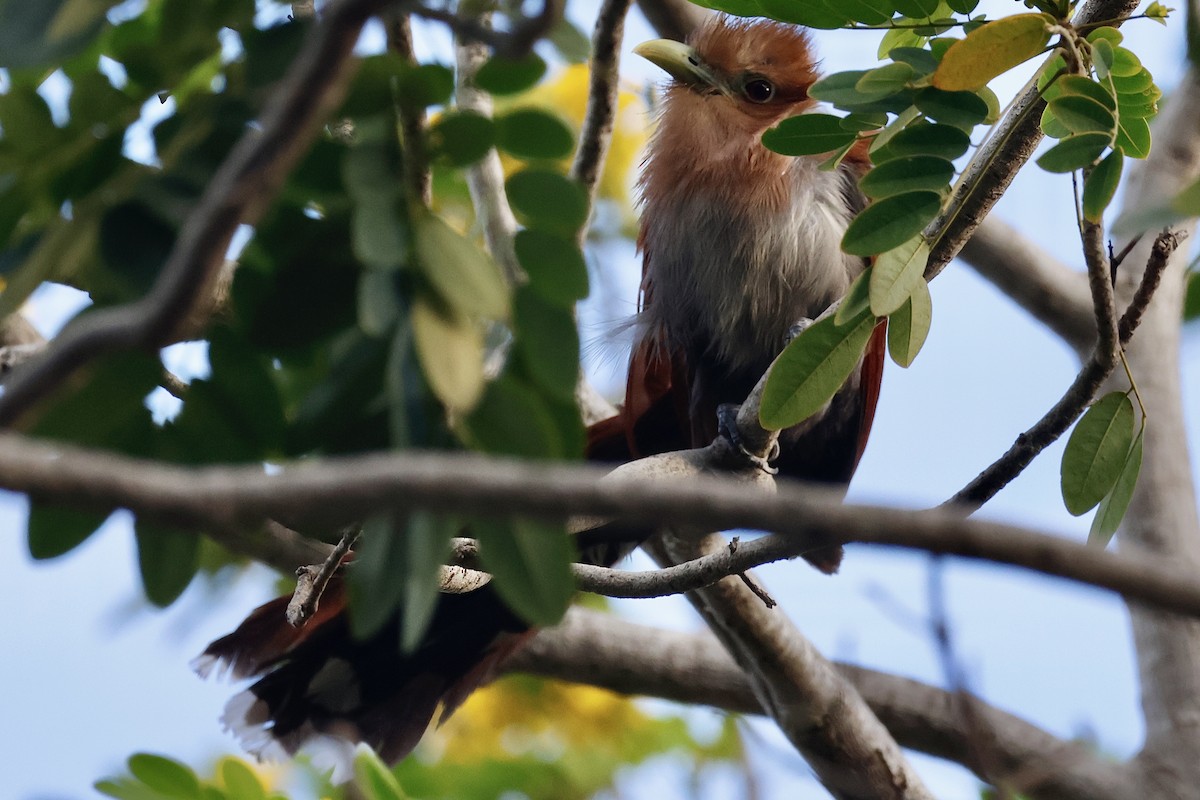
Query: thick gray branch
[820,712]
[339,491]
[601,650]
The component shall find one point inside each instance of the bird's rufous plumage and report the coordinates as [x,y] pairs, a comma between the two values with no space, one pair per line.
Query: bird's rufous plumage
[739,244]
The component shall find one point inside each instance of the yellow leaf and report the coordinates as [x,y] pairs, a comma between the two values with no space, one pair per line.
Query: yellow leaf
[991,50]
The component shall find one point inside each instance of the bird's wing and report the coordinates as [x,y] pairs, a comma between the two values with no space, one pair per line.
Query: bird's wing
[655,417]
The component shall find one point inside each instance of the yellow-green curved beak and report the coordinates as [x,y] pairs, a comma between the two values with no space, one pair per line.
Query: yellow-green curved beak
[677,59]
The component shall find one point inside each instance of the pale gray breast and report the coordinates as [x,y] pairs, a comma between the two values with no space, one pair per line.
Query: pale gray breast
[750,273]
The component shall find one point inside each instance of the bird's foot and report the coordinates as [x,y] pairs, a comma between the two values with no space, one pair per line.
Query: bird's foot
[803,324]
[727,414]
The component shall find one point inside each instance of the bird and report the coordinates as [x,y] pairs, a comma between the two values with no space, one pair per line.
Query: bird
[739,244]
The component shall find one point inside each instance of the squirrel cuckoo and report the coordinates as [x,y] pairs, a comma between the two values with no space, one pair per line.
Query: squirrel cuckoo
[740,244]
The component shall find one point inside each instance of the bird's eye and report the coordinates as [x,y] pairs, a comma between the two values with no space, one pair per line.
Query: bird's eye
[758,90]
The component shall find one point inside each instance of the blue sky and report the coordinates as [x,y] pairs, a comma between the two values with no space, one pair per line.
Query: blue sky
[90,676]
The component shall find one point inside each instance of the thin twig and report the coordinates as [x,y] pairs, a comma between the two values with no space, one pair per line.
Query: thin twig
[514,43]
[485,179]
[595,135]
[311,580]
[1089,380]
[412,118]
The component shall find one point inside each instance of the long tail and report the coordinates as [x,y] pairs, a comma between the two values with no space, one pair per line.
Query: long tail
[318,685]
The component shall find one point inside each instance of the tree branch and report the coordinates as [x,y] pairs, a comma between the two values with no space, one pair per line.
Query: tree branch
[595,135]
[514,43]
[851,751]
[1053,293]
[241,190]
[485,179]
[673,19]
[1089,380]
[997,162]
[335,491]
[605,651]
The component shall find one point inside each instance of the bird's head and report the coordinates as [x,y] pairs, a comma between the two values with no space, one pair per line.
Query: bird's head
[743,74]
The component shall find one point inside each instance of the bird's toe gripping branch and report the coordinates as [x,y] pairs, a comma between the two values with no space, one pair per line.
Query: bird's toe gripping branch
[727,427]
[802,324]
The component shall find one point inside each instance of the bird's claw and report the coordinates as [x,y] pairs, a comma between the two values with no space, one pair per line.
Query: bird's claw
[803,324]
[727,414]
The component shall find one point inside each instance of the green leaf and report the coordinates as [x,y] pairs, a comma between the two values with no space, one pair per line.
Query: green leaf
[921,60]
[373,778]
[1188,201]
[807,134]
[1082,114]
[884,81]
[896,275]
[531,562]
[898,38]
[857,300]
[34,34]
[1191,302]
[532,133]
[1079,85]
[165,775]
[379,302]
[909,326]
[1052,127]
[1074,152]
[168,560]
[811,369]
[839,88]
[991,50]
[108,410]
[424,85]
[462,137]
[241,782]
[55,530]
[924,138]
[811,14]
[554,264]
[513,420]
[1126,64]
[868,12]
[1103,57]
[861,121]
[1133,137]
[134,244]
[907,174]
[1136,83]
[961,109]
[1101,185]
[548,342]
[544,198]
[1096,452]
[463,275]
[379,236]
[916,9]
[890,222]
[501,75]
[374,583]
[1116,502]
[424,546]
[450,349]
